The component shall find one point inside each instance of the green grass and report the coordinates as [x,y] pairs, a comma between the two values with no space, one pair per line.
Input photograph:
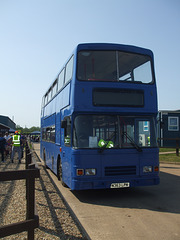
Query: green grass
[169,158]
[172,158]
[167,149]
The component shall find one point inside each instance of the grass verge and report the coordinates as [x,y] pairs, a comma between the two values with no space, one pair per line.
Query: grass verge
[167,150]
[172,158]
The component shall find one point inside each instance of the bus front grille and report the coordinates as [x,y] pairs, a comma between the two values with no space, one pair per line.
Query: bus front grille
[120,170]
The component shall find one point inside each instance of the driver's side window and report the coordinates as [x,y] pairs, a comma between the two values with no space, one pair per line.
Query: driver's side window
[66,124]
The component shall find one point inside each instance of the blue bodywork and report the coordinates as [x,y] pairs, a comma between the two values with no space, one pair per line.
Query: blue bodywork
[112,165]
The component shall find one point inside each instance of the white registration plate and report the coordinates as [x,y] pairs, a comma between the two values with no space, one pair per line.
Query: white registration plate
[120,185]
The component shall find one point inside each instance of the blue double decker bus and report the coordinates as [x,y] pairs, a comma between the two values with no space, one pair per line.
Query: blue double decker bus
[99,117]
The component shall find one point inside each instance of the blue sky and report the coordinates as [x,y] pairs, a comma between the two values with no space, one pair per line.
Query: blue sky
[37,37]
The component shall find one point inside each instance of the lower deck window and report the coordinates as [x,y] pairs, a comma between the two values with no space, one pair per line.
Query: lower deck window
[48,134]
[113,131]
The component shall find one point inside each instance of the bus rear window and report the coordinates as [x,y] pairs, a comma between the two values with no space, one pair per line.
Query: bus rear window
[114,66]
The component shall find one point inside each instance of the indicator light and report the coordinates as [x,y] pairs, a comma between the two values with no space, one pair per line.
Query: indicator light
[156,168]
[80,172]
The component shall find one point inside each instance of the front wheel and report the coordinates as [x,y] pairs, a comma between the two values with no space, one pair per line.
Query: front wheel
[59,172]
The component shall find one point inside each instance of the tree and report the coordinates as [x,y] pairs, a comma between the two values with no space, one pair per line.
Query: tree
[27,130]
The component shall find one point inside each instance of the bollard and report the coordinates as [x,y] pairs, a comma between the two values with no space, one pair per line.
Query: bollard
[177,147]
[30,202]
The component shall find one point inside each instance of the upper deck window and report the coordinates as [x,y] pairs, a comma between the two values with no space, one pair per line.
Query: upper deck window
[69,70]
[54,89]
[114,66]
[61,79]
[46,99]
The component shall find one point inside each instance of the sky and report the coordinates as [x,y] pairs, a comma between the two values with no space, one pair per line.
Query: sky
[38,36]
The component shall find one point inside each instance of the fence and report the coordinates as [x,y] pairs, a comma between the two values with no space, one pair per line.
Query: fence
[32,219]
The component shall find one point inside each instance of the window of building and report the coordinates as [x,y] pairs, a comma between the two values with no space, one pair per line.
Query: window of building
[173,123]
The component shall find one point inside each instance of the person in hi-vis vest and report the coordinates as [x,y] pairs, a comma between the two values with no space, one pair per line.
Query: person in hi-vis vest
[16,146]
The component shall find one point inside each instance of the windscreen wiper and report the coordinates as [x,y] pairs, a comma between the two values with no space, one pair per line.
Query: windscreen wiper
[133,143]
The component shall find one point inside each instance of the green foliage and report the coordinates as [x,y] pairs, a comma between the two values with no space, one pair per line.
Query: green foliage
[27,130]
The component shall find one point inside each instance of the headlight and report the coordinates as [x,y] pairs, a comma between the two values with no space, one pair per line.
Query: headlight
[147,169]
[90,171]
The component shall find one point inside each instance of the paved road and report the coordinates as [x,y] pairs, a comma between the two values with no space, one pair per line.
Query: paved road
[151,213]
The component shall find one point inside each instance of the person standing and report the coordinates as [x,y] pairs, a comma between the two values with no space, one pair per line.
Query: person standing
[2,146]
[8,144]
[16,146]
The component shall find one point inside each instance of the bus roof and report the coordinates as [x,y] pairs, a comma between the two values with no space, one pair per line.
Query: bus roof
[114,46]
[106,46]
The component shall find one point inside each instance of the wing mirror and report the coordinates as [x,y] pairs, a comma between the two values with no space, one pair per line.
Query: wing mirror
[64,123]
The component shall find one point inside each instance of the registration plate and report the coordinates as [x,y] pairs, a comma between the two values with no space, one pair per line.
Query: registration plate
[120,185]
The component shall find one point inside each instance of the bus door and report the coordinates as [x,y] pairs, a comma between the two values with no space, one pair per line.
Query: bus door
[145,137]
[66,148]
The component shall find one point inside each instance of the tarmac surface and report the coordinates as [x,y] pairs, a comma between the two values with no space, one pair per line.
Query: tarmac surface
[151,213]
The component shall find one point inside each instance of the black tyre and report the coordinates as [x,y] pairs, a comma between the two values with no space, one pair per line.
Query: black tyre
[59,171]
[44,157]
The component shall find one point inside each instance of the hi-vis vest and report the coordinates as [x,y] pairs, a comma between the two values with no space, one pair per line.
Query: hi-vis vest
[105,144]
[16,141]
